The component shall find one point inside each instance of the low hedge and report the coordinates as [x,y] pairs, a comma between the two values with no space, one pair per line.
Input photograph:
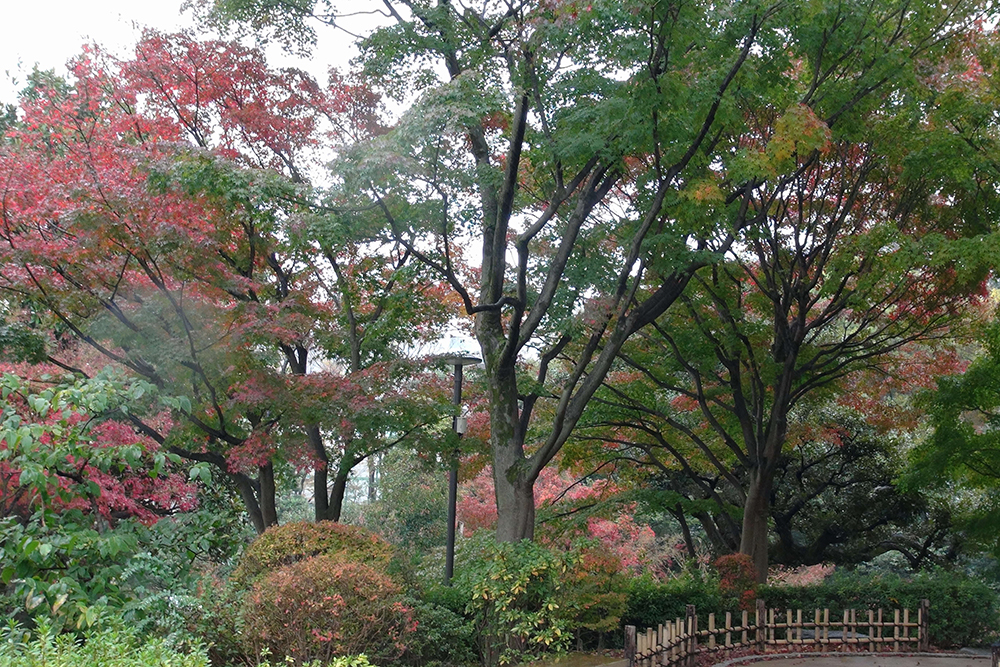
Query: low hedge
[651,602]
[964,611]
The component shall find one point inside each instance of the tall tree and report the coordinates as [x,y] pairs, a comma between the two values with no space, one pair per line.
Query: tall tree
[854,258]
[569,142]
[156,210]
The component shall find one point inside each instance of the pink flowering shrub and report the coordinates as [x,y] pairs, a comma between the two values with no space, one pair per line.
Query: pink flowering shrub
[325,606]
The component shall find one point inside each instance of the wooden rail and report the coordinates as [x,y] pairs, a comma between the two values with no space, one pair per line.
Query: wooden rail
[679,642]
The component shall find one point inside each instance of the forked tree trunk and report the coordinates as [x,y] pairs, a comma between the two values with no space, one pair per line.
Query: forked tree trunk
[321,504]
[513,487]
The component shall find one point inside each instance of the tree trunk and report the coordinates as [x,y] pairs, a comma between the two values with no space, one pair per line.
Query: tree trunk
[320,474]
[517,519]
[337,492]
[756,510]
[678,513]
[321,504]
[268,505]
[372,478]
[249,496]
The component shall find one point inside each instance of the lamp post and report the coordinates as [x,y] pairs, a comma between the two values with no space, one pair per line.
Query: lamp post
[459,357]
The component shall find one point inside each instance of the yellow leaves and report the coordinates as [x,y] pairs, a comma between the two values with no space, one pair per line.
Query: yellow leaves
[798,132]
[705,191]
[794,136]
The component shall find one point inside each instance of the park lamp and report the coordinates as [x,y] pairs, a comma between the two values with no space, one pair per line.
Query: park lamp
[459,354]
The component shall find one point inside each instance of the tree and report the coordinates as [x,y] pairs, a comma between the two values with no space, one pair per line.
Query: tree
[854,258]
[960,459]
[587,143]
[77,485]
[576,137]
[156,209]
[837,500]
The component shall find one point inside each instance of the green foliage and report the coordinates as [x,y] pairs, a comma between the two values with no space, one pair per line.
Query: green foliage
[293,542]
[651,602]
[513,589]
[60,568]
[453,598]
[411,508]
[964,449]
[442,637]
[19,343]
[115,646]
[964,610]
[324,606]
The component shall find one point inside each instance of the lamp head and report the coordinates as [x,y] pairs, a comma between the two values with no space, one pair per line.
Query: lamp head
[460,352]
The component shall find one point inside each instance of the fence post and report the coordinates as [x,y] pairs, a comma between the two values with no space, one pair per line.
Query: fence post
[761,623]
[995,650]
[924,622]
[692,625]
[630,644]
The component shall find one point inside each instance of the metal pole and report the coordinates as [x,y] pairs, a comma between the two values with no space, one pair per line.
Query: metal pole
[449,561]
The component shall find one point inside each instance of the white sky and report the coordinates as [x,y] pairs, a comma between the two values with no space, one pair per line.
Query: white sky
[52,32]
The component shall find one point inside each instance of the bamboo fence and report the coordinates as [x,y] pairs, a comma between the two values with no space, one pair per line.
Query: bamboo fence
[681,641]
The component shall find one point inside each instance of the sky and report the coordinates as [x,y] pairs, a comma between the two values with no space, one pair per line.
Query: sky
[52,32]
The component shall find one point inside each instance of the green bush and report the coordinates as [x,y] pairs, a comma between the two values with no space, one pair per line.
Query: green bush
[964,611]
[216,621]
[111,646]
[512,590]
[453,598]
[651,602]
[324,607]
[442,638]
[293,542]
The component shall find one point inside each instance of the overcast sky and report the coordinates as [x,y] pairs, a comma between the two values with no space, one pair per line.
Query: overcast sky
[52,32]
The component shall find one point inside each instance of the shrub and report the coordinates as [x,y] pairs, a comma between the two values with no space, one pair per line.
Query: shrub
[591,596]
[293,542]
[513,602]
[453,598]
[322,607]
[651,602]
[964,611]
[112,646]
[737,581]
[442,637]
[340,661]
